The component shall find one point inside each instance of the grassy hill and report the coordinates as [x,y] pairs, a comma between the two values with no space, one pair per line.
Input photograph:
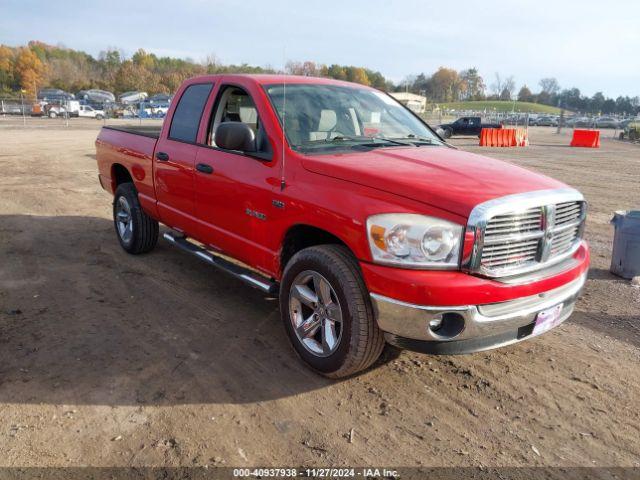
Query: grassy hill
[501,106]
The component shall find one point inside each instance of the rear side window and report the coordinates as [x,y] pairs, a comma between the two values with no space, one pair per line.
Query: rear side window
[186,118]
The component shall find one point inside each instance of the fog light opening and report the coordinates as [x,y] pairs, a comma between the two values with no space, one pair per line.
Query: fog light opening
[446,325]
[435,323]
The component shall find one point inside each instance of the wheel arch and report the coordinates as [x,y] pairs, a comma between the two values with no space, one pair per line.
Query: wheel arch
[302,235]
[119,175]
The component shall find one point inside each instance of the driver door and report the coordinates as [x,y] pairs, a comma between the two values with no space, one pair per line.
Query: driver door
[233,189]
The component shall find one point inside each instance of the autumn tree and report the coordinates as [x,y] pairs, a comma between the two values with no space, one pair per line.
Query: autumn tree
[131,76]
[6,68]
[445,85]
[30,71]
[337,71]
[144,59]
[357,75]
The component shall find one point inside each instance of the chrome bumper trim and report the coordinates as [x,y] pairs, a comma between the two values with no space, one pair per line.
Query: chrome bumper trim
[411,321]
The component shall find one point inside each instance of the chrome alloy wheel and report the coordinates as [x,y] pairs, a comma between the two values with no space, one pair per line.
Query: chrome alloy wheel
[315,313]
[124,220]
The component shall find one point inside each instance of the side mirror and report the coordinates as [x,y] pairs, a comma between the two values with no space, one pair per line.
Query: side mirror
[235,136]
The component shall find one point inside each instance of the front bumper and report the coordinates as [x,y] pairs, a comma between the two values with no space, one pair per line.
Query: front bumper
[485,326]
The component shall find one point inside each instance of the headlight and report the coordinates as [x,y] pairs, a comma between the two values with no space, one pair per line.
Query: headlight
[414,241]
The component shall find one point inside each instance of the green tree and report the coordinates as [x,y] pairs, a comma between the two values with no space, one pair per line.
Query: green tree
[473,87]
[525,95]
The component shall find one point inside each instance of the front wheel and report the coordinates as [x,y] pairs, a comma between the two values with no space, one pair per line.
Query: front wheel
[447,133]
[137,232]
[327,312]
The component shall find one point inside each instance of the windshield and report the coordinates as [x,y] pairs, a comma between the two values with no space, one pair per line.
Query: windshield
[329,117]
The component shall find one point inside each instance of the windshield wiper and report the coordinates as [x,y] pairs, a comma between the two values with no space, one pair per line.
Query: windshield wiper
[366,140]
[416,140]
[359,142]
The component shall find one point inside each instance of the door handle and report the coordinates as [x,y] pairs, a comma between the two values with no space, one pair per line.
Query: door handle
[204,168]
[163,157]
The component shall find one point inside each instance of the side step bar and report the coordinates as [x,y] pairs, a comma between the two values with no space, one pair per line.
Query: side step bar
[246,275]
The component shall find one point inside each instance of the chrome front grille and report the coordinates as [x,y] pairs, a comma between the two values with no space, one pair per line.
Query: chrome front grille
[513,236]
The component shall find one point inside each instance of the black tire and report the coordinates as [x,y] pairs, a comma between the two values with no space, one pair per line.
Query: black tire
[99,117]
[144,229]
[447,133]
[361,341]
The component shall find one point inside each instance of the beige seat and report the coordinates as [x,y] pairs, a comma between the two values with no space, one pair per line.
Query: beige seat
[328,121]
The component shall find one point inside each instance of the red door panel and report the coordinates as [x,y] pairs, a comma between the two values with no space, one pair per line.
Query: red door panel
[174,180]
[233,204]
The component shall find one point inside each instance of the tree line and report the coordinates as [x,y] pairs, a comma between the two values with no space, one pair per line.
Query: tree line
[37,65]
[448,85]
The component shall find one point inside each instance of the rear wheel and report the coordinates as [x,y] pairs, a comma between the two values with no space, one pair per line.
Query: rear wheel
[137,232]
[327,312]
[53,114]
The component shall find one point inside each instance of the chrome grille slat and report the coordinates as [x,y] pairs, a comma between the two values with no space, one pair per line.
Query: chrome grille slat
[511,256]
[503,263]
[512,218]
[567,218]
[526,239]
[511,246]
[503,239]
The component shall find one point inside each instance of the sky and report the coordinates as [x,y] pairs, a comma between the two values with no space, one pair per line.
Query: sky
[592,45]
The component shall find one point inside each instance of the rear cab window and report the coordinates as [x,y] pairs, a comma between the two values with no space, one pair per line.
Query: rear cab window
[188,112]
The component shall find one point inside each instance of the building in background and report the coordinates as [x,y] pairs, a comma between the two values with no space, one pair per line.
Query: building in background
[414,102]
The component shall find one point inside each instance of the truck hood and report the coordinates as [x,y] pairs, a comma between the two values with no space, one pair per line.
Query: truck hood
[444,178]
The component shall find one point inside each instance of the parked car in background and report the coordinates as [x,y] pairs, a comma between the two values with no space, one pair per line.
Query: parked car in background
[466,126]
[96,96]
[580,122]
[87,111]
[607,122]
[546,121]
[162,98]
[132,97]
[515,119]
[363,223]
[54,95]
[62,108]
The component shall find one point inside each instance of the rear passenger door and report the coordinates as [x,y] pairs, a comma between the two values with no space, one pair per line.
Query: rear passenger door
[174,160]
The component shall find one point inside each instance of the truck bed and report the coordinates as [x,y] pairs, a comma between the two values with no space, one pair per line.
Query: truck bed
[131,149]
[152,131]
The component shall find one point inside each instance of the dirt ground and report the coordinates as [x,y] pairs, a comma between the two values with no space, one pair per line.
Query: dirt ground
[112,360]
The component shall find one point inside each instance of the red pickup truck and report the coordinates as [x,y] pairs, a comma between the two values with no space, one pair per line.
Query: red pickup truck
[348,207]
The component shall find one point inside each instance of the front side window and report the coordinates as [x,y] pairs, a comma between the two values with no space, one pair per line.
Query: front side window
[328,117]
[186,117]
[234,104]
